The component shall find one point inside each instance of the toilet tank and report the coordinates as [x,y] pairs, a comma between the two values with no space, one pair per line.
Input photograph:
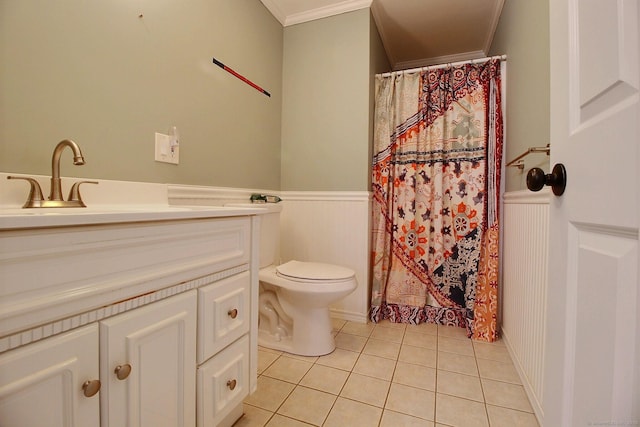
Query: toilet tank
[269,231]
[269,234]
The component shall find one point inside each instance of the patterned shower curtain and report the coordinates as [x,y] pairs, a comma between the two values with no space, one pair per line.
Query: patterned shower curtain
[436,185]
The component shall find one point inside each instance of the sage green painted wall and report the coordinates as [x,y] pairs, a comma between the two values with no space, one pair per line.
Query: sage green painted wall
[326,103]
[97,73]
[523,34]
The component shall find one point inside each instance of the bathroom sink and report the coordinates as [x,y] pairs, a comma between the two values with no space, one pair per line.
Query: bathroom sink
[14,217]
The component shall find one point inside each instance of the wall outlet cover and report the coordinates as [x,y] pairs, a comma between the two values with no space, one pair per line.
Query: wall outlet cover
[163,150]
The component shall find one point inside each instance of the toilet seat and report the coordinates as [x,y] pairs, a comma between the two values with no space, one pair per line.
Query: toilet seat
[313,272]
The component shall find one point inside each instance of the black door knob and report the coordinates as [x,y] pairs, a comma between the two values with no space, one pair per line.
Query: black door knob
[557,179]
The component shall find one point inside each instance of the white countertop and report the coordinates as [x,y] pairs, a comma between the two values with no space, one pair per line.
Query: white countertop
[18,218]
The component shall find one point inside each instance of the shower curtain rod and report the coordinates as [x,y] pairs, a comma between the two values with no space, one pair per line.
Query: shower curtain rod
[449,64]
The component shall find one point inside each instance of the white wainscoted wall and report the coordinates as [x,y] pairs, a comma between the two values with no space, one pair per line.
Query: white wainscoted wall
[524,286]
[329,227]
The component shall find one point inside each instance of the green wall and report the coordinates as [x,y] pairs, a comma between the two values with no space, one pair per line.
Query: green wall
[326,104]
[98,73]
[523,34]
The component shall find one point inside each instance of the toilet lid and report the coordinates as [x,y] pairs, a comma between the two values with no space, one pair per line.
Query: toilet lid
[313,271]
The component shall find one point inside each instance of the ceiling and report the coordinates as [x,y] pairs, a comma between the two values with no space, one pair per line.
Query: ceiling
[414,32]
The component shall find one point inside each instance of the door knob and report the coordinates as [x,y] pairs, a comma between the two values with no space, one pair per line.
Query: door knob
[557,179]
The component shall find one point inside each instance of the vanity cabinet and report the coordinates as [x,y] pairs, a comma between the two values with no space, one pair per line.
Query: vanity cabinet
[162,314]
[41,384]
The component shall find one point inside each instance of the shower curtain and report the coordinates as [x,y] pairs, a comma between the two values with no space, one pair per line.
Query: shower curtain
[436,184]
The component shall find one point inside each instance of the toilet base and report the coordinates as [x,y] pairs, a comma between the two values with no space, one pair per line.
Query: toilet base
[321,343]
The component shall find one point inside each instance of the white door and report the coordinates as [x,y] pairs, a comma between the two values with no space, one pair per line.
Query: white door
[592,365]
[158,343]
[41,384]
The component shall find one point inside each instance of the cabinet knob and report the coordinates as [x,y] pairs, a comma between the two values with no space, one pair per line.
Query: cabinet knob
[231,384]
[233,313]
[122,371]
[91,387]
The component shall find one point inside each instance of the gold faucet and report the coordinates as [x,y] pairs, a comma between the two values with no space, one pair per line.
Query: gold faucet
[35,199]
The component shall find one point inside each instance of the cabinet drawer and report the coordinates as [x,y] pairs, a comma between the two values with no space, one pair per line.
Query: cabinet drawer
[223,383]
[223,314]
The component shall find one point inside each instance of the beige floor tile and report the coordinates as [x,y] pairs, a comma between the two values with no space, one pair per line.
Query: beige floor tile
[507,395]
[339,358]
[411,401]
[288,369]
[310,359]
[452,332]
[360,329]
[499,371]
[305,404]
[503,417]
[388,334]
[325,378]
[457,346]
[457,412]
[350,342]
[265,359]
[253,417]
[396,419]
[337,324]
[420,340]
[418,355]
[369,390]
[423,328]
[415,376]
[270,393]
[374,366]
[460,385]
[457,363]
[386,349]
[491,351]
[386,323]
[347,412]
[280,421]
[270,350]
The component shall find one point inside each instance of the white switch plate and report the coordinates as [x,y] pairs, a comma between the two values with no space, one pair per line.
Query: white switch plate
[163,150]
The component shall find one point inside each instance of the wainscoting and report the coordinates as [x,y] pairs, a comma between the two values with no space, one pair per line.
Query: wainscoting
[524,289]
[331,227]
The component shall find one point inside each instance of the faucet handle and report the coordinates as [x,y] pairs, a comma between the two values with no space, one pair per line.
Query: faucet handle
[35,198]
[74,194]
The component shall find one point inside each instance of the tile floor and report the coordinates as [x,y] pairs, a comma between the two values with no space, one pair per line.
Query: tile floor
[390,375]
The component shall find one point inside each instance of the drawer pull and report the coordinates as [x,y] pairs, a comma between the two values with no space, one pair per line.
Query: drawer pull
[91,387]
[231,384]
[123,371]
[233,313]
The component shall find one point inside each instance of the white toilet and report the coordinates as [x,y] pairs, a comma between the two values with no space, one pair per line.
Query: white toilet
[295,296]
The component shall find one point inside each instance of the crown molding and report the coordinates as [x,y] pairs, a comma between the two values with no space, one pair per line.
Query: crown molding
[313,14]
[495,19]
[272,6]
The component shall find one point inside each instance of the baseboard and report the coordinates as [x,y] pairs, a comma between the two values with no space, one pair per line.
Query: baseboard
[349,316]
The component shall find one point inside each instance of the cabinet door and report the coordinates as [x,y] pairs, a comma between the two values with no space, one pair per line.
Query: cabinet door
[158,343]
[41,383]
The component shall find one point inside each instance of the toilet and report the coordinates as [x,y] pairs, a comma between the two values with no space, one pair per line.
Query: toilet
[294,297]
